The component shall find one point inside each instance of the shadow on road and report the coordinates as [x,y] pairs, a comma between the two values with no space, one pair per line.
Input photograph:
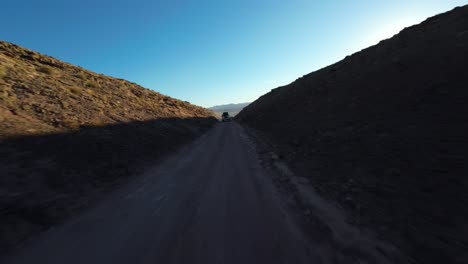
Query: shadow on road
[46,178]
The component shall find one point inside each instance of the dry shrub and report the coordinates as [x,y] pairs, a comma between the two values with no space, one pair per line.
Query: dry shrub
[3,71]
[80,75]
[71,124]
[96,123]
[91,84]
[75,90]
[45,69]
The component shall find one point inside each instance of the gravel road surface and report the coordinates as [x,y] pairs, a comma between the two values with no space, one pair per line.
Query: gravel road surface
[211,202]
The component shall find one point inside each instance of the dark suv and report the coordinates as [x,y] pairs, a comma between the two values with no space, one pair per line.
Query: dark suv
[225,117]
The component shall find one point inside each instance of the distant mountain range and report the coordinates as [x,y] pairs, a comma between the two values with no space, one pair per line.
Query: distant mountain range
[233,109]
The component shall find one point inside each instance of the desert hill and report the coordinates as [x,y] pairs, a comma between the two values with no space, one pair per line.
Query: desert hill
[384,134]
[67,135]
[40,94]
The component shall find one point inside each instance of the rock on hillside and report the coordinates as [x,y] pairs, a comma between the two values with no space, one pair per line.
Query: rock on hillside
[40,94]
[67,135]
[384,134]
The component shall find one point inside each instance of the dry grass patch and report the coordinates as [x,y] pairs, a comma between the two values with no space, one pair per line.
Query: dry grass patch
[76,90]
[91,84]
[3,71]
[45,69]
[97,123]
[80,75]
[70,124]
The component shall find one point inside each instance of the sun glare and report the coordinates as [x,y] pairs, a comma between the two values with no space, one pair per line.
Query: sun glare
[388,30]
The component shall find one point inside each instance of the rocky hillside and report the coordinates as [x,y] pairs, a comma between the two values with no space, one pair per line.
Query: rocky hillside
[40,94]
[384,134]
[68,135]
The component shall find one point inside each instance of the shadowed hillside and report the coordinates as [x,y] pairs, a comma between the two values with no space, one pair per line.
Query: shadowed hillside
[384,134]
[67,135]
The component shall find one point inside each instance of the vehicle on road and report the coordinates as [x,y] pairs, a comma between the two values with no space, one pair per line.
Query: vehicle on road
[225,117]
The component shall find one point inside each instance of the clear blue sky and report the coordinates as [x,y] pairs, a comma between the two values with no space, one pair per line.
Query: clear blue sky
[208,52]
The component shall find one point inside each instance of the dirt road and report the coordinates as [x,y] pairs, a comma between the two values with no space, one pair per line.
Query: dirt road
[211,202]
